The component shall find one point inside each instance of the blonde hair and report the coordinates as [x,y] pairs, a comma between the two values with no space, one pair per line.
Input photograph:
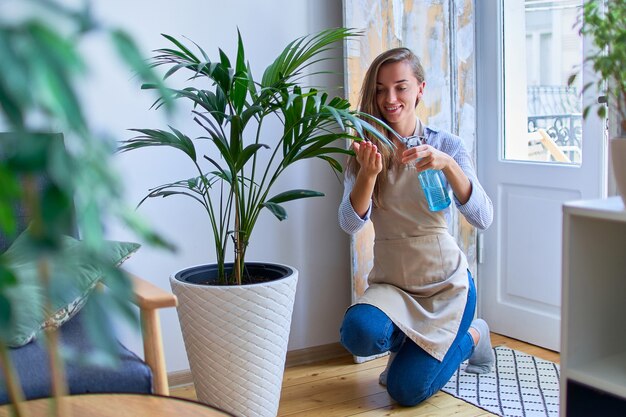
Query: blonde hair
[369,105]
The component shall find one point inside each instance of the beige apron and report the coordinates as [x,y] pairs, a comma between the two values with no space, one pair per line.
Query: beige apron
[419,278]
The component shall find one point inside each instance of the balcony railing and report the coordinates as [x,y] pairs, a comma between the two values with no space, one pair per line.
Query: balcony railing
[556,110]
[553,99]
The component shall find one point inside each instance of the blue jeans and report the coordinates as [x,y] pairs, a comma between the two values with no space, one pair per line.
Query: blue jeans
[414,375]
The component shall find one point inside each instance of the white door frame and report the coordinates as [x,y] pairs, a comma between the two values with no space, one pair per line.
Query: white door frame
[491,167]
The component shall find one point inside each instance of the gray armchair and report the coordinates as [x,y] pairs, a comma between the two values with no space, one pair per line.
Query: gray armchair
[132,376]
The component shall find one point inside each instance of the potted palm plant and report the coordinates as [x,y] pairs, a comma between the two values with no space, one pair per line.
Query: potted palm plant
[235,316]
[606,24]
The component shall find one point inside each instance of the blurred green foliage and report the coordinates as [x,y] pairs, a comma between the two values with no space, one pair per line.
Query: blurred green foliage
[605,22]
[40,65]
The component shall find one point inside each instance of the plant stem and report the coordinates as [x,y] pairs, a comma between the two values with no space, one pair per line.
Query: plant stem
[236,137]
[237,235]
[57,373]
[251,192]
[225,224]
[16,395]
[218,235]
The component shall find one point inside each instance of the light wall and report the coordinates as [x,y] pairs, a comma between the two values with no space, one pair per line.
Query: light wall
[309,240]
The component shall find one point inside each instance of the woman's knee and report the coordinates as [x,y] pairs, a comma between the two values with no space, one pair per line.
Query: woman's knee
[408,394]
[365,330]
[411,377]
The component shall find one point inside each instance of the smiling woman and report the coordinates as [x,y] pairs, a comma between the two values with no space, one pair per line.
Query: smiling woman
[441,34]
[398,92]
[421,296]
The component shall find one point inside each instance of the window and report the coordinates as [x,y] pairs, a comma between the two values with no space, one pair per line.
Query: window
[543,115]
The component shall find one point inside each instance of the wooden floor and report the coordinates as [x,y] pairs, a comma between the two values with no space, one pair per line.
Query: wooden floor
[341,388]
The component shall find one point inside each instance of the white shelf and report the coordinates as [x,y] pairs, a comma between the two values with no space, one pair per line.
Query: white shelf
[593,340]
[611,208]
[607,374]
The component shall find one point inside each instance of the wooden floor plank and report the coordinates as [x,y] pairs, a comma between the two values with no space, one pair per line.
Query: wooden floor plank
[329,391]
[549,355]
[304,374]
[450,405]
[346,408]
[342,388]
[187,392]
[423,409]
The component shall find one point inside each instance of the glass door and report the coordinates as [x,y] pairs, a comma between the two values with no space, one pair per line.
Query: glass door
[541,51]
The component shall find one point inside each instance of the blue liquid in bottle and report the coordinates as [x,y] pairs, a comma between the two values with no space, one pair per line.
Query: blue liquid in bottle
[436,195]
[432,184]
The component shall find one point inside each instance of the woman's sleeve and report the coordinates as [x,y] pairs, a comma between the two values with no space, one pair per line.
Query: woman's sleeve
[349,220]
[478,210]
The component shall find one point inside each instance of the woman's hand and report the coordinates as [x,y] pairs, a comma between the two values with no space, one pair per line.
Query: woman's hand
[432,158]
[368,157]
[370,165]
[429,158]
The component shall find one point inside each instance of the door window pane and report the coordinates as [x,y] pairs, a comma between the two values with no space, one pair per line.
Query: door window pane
[542,48]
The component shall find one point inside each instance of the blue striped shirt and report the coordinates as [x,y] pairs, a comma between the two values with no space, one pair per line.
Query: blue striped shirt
[478,210]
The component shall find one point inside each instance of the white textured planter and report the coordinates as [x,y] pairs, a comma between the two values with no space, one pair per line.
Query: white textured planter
[618,157]
[236,338]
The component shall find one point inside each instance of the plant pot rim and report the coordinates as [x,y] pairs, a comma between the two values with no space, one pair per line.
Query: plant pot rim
[179,276]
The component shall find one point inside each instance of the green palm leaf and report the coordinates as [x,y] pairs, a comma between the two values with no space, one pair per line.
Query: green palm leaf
[334,164]
[156,137]
[294,195]
[247,153]
[184,52]
[276,209]
[300,52]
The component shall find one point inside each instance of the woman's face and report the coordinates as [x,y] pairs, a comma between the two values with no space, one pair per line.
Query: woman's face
[397,95]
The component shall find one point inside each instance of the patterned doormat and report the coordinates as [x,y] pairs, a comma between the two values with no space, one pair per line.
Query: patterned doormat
[521,385]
